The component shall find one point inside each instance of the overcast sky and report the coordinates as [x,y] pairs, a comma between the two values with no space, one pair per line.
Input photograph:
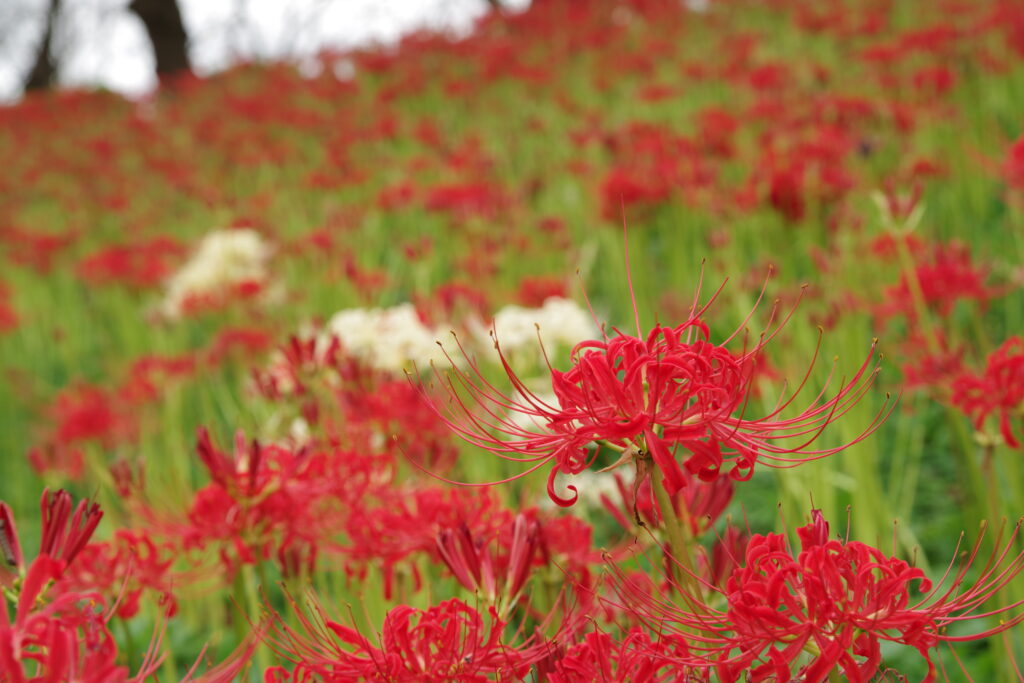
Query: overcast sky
[100,43]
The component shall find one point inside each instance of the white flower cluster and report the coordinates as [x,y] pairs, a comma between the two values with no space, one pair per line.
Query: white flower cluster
[390,338]
[224,259]
[561,322]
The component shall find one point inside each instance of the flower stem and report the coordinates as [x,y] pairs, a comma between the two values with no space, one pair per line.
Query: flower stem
[254,607]
[678,541]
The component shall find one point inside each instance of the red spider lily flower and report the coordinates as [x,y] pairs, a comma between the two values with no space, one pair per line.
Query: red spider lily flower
[827,609]
[8,316]
[267,500]
[1014,165]
[635,658]
[999,389]
[142,264]
[62,639]
[479,570]
[10,548]
[532,539]
[650,398]
[943,277]
[406,521]
[703,504]
[448,642]
[57,635]
[81,413]
[66,534]
[121,569]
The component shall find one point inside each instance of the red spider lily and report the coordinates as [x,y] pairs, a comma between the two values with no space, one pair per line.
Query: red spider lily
[448,642]
[648,398]
[63,639]
[478,569]
[942,279]
[498,569]
[1014,165]
[930,363]
[268,500]
[704,502]
[10,548]
[351,404]
[143,264]
[64,534]
[8,316]
[406,521]
[635,658]
[57,635]
[122,568]
[81,414]
[999,389]
[826,609]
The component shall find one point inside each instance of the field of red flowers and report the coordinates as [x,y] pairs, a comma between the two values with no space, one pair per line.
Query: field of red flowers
[621,340]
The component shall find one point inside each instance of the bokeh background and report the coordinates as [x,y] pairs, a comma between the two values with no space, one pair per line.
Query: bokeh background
[102,43]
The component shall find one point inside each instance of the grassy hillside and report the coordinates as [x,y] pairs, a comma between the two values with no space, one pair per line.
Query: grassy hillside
[800,226]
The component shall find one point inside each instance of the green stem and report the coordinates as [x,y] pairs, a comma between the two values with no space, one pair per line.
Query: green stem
[255,607]
[678,540]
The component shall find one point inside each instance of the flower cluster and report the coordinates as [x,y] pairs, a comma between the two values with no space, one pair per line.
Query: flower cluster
[668,396]
[998,390]
[56,635]
[558,323]
[393,339]
[448,642]
[828,607]
[227,264]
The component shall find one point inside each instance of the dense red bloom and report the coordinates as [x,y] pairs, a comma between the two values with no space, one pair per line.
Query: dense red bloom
[634,658]
[447,642]
[64,532]
[268,501]
[409,520]
[57,635]
[786,192]
[498,579]
[144,264]
[929,362]
[1000,389]
[465,199]
[61,639]
[81,413]
[701,503]
[1014,165]
[121,569]
[8,316]
[942,279]
[627,187]
[85,413]
[673,392]
[827,608]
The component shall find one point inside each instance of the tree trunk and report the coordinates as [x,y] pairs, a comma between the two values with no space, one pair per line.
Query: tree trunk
[162,19]
[44,72]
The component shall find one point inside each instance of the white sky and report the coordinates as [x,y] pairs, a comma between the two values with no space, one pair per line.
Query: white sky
[100,43]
